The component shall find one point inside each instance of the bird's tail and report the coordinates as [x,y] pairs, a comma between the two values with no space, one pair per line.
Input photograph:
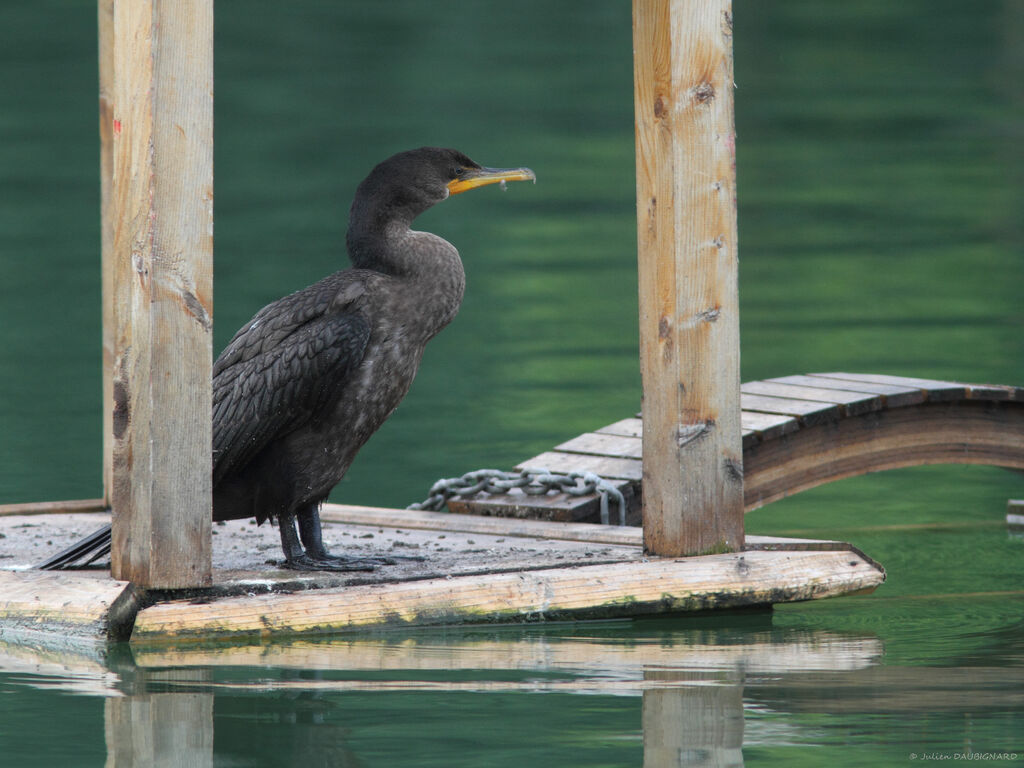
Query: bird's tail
[92,547]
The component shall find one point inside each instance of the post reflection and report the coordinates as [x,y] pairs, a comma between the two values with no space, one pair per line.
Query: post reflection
[171,730]
[698,723]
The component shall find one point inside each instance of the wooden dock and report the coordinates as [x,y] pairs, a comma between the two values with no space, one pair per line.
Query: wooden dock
[475,570]
[531,559]
[798,432]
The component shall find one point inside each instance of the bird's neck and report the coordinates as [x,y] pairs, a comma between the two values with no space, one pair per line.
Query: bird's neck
[393,248]
[420,259]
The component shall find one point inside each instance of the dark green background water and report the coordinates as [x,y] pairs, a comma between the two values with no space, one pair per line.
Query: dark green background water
[881,187]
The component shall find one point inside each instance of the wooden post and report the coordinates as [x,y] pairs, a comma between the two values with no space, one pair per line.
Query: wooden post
[162,209]
[105,19]
[687,255]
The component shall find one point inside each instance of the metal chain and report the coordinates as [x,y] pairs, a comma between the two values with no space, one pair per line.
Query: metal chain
[531,482]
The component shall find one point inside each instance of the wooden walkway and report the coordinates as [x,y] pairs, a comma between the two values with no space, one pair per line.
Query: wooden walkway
[799,432]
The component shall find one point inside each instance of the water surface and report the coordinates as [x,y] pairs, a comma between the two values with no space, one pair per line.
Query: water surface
[880,198]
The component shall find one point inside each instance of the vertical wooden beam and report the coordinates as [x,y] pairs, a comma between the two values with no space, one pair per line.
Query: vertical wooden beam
[162,205]
[105,26]
[687,256]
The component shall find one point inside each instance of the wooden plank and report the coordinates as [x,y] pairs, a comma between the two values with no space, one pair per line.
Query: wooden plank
[765,425]
[660,585]
[892,395]
[790,544]
[687,259]
[605,466]
[599,444]
[769,425]
[557,507]
[162,186]
[994,392]
[538,529]
[473,523]
[54,507]
[851,402]
[961,432]
[935,390]
[807,411]
[105,26]
[627,427]
[66,605]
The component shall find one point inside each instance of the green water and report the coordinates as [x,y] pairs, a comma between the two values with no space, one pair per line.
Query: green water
[881,186]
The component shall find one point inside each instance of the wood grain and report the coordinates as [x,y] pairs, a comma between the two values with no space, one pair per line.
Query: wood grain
[963,432]
[601,444]
[607,590]
[893,396]
[65,605]
[850,402]
[54,507]
[606,466]
[105,40]
[535,529]
[687,260]
[162,209]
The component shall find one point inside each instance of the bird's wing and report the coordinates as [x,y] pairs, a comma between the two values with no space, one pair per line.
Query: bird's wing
[277,372]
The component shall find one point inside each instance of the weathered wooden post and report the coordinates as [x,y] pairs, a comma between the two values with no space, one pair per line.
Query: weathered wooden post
[689,306]
[160,289]
[105,26]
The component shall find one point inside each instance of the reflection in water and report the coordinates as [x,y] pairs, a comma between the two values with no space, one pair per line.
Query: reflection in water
[308,699]
[699,723]
[686,696]
[166,729]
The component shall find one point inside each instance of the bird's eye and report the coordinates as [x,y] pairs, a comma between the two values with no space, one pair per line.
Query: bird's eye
[457,172]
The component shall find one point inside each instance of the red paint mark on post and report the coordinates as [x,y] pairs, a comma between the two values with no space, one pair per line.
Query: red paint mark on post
[117,127]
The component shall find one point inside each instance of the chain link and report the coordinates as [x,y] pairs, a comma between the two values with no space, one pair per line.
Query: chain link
[533,483]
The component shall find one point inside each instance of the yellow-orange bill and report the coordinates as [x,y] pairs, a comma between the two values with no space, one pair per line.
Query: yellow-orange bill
[479,177]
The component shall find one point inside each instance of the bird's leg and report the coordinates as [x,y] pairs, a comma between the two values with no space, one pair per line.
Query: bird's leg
[305,550]
[299,559]
[289,538]
[310,530]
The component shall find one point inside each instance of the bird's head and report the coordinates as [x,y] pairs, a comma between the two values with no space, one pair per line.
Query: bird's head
[407,184]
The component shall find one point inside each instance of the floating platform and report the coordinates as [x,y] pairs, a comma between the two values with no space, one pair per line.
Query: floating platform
[517,559]
[473,570]
[798,432]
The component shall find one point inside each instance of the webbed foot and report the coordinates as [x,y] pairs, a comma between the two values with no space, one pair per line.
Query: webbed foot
[335,563]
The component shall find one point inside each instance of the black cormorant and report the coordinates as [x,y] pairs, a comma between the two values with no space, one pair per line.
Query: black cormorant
[305,383]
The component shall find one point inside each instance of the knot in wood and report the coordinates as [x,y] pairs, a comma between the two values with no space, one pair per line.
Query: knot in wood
[704,93]
[687,433]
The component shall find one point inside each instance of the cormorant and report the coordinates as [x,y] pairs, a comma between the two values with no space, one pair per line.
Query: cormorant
[303,385]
